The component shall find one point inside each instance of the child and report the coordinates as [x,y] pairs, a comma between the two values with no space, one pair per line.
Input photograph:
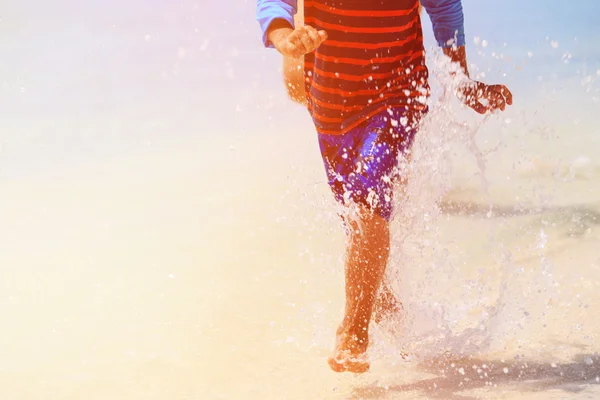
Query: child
[366,89]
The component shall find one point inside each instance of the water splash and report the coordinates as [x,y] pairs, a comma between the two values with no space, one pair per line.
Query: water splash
[456,298]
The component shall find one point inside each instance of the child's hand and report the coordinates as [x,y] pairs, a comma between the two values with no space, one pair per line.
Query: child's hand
[495,96]
[298,42]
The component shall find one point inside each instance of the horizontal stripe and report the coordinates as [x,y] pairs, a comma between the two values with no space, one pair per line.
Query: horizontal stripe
[357,73]
[362,45]
[395,93]
[374,70]
[327,109]
[415,46]
[333,106]
[336,86]
[367,77]
[360,92]
[348,114]
[404,57]
[373,38]
[365,117]
[338,115]
[360,12]
[317,23]
[345,108]
[323,118]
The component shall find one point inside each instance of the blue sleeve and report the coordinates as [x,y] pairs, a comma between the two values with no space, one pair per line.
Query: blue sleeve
[448,21]
[269,10]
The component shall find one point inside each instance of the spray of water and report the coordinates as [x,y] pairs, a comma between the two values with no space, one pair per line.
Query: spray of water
[471,282]
[450,305]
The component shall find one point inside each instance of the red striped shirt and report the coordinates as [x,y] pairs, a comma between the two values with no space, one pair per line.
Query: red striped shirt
[372,60]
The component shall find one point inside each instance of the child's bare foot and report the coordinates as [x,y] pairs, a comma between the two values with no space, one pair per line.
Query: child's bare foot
[349,364]
[350,354]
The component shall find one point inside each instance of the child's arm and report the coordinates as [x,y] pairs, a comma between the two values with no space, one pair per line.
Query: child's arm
[448,27]
[447,20]
[274,12]
[276,18]
[293,68]
[470,92]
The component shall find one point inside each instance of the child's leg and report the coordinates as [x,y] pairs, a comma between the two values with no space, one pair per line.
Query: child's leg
[368,251]
[361,166]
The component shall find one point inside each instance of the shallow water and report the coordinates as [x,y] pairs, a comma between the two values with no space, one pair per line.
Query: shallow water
[167,231]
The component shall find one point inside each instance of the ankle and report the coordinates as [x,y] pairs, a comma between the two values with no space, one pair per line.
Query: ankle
[356,339]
